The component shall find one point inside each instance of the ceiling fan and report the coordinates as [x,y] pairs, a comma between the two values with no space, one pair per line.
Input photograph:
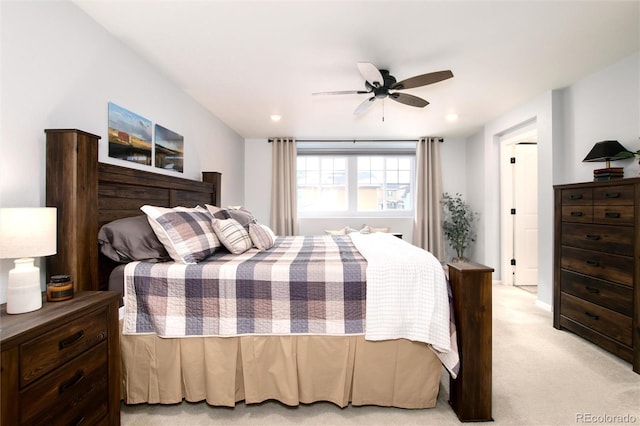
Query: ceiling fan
[381,85]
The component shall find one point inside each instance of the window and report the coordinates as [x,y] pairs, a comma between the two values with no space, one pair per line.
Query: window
[353,185]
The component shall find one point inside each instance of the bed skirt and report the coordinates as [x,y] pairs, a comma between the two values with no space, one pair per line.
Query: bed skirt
[289,369]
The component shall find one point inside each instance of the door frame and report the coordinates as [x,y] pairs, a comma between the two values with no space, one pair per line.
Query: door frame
[528,132]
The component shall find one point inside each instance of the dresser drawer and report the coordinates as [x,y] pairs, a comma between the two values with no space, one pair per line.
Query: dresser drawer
[43,354]
[610,267]
[614,195]
[577,196]
[613,214]
[578,213]
[602,320]
[610,239]
[612,296]
[77,389]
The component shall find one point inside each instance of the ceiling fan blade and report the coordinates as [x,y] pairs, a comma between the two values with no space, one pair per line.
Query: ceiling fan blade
[422,80]
[407,99]
[365,105]
[342,92]
[371,74]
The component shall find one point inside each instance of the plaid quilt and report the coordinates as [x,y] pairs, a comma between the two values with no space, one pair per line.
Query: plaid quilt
[302,285]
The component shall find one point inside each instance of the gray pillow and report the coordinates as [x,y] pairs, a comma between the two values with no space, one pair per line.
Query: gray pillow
[129,239]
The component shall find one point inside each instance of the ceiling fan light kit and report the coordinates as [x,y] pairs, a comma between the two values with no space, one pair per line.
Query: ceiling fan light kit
[380,83]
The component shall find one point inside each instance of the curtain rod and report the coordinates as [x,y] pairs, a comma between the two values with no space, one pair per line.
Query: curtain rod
[355,140]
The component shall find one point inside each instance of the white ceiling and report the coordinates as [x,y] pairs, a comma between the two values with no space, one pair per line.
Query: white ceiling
[247,60]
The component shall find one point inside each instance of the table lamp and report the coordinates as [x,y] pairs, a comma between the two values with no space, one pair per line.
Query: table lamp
[26,233]
[607,151]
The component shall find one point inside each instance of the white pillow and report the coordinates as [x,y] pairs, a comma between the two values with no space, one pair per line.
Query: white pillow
[232,235]
[344,231]
[262,236]
[187,234]
[366,229]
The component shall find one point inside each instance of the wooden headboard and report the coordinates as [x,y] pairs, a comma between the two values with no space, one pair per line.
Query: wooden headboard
[89,194]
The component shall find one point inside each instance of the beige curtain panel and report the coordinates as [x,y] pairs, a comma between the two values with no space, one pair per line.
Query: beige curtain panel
[427,224]
[284,212]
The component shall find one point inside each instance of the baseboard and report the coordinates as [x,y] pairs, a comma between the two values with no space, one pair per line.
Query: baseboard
[547,307]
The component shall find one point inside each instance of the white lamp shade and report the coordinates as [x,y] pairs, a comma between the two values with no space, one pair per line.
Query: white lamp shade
[27,232]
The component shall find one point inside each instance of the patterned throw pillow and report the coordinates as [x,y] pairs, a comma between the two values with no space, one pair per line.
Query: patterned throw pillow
[243,216]
[262,236]
[232,235]
[187,234]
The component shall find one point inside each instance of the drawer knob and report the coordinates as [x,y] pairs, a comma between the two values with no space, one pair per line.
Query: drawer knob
[612,195]
[594,237]
[575,196]
[77,378]
[592,289]
[70,341]
[590,315]
[612,215]
[576,214]
[592,262]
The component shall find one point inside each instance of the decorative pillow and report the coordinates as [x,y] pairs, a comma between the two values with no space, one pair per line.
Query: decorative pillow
[232,235]
[243,216]
[344,231]
[129,239]
[187,234]
[191,209]
[262,236]
[366,229]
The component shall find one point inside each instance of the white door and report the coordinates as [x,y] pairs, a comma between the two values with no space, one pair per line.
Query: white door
[525,201]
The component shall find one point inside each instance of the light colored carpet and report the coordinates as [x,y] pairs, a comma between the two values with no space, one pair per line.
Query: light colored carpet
[541,376]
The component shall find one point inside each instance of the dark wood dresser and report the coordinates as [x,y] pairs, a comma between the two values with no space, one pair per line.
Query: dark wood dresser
[596,265]
[61,364]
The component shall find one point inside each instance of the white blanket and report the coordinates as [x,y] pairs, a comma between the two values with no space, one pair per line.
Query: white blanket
[406,292]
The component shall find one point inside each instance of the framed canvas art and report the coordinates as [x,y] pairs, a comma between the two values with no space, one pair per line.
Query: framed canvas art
[168,149]
[129,135]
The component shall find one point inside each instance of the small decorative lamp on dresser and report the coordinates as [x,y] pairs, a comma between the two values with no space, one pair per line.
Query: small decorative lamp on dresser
[596,264]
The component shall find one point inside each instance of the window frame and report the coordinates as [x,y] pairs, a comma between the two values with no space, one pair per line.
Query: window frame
[352,188]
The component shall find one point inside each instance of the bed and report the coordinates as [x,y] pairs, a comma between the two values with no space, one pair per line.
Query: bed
[293,369]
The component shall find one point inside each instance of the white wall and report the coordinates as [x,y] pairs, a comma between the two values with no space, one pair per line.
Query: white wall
[258,189]
[59,70]
[604,105]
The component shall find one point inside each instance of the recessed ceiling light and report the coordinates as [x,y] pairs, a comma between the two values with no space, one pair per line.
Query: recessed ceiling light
[276,117]
[451,117]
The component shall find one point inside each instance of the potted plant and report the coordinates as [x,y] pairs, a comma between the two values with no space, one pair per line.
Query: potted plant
[632,154]
[458,224]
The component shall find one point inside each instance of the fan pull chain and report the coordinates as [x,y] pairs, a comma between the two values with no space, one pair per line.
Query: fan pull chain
[383,110]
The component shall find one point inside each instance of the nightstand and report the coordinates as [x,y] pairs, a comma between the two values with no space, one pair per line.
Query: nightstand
[61,364]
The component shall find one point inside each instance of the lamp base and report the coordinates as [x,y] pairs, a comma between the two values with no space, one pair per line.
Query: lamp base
[23,292]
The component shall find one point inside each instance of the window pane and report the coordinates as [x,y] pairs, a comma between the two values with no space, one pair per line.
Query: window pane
[387,185]
[377,163]
[404,163]
[313,163]
[364,163]
[322,184]
[392,163]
